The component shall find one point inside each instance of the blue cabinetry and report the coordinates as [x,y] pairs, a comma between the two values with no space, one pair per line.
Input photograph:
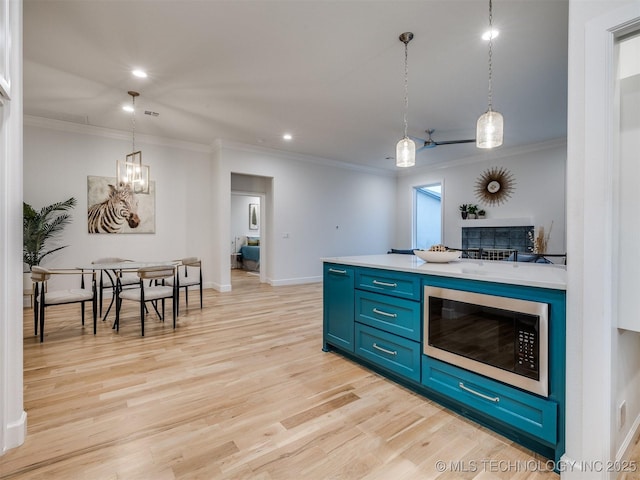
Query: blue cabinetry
[338,309]
[376,316]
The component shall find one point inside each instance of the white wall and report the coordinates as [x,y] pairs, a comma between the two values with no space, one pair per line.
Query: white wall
[325,209]
[539,193]
[58,157]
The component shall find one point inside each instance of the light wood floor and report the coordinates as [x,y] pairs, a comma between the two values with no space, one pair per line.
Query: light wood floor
[240,390]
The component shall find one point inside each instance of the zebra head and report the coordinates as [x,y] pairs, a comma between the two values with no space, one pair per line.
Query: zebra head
[127,203]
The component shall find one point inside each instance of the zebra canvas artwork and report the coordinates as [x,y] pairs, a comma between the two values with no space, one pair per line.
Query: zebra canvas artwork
[114,208]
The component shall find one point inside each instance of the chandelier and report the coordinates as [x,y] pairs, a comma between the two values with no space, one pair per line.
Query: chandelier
[131,171]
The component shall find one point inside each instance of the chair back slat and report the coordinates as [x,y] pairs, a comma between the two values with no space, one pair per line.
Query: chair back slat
[156,272]
[39,274]
[190,261]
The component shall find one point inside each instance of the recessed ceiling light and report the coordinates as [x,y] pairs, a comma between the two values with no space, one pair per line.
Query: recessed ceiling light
[139,73]
[127,108]
[493,33]
[287,136]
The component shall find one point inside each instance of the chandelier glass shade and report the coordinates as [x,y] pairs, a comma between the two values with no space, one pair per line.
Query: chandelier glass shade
[405,153]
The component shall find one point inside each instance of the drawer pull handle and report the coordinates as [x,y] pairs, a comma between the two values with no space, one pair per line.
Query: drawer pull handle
[481,395]
[390,352]
[386,314]
[385,284]
[341,272]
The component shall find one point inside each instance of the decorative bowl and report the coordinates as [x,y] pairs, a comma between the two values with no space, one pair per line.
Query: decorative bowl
[437,257]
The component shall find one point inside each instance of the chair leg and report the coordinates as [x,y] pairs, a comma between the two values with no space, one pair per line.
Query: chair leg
[186,297]
[94,310]
[82,312]
[36,302]
[201,291]
[42,315]
[142,317]
[174,310]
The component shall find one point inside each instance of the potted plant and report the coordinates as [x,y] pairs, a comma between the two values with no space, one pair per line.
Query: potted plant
[40,227]
[463,210]
[472,210]
[482,213]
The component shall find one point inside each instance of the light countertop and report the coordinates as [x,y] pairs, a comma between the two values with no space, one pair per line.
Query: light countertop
[514,273]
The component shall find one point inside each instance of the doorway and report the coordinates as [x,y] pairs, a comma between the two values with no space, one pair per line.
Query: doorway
[248,228]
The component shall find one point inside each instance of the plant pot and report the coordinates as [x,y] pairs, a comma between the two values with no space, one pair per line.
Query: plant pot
[471,216]
[464,215]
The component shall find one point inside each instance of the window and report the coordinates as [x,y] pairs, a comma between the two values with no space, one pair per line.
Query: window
[428,216]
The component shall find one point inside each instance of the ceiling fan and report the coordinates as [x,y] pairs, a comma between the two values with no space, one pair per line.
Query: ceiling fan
[431,143]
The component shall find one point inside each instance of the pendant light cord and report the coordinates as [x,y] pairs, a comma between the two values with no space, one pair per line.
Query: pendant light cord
[133,123]
[406,85]
[490,55]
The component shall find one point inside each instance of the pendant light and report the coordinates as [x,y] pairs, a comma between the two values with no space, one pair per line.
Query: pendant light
[132,172]
[489,128]
[406,148]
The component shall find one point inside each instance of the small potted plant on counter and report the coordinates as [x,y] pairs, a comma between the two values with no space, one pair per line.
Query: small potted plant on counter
[472,210]
[463,210]
[482,213]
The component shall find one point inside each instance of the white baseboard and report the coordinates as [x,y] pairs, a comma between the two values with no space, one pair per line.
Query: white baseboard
[294,281]
[628,443]
[16,433]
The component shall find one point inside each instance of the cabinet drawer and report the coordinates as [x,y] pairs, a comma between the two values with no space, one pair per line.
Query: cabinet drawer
[389,351]
[389,283]
[394,315]
[523,411]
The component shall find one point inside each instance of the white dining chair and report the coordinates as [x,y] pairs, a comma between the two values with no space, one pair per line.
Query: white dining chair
[44,296]
[155,290]
[189,274]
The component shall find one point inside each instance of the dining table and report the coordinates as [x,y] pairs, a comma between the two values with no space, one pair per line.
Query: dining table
[114,270]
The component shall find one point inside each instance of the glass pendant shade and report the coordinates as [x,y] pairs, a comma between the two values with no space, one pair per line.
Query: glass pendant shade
[133,173]
[405,153]
[489,130]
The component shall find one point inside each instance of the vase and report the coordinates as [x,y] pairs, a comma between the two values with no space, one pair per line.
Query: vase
[464,215]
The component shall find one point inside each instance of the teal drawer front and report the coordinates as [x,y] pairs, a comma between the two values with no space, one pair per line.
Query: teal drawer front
[395,315]
[389,283]
[526,412]
[394,353]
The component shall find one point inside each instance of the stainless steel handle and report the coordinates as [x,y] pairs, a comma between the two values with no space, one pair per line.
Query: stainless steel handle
[385,284]
[481,395]
[390,352]
[386,314]
[341,272]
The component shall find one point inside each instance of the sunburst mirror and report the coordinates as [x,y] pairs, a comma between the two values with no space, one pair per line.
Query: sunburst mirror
[494,186]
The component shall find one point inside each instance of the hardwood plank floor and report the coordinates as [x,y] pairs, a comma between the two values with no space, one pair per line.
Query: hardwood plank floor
[240,390]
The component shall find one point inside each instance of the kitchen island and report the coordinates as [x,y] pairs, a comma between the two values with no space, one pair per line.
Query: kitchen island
[378,308]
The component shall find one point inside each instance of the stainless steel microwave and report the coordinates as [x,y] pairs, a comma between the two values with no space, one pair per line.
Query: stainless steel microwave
[502,338]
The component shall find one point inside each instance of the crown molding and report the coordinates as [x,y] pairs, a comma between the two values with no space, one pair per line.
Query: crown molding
[495,154]
[301,157]
[70,127]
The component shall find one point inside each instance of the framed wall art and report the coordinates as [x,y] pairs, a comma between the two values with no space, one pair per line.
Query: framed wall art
[114,208]
[254,216]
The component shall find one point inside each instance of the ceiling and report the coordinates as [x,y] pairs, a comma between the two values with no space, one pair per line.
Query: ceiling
[330,72]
